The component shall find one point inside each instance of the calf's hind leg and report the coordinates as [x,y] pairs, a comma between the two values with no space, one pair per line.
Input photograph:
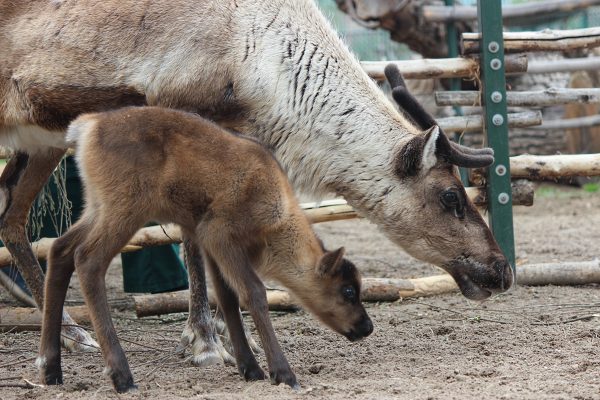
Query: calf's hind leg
[230,306]
[58,275]
[199,331]
[92,259]
[21,181]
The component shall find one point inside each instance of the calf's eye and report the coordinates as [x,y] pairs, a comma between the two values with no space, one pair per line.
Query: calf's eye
[349,293]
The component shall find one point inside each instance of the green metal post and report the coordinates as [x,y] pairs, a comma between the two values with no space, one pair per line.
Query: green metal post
[452,42]
[496,124]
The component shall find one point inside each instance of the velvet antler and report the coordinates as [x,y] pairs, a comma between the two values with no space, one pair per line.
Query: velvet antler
[454,153]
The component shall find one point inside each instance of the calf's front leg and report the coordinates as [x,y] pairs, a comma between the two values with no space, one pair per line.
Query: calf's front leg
[230,306]
[237,270]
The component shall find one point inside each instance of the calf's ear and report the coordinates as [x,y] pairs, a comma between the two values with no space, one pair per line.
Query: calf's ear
[419,154]
[330,262]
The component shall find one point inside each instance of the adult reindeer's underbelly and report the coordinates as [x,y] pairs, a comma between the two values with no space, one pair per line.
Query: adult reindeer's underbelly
[37,116]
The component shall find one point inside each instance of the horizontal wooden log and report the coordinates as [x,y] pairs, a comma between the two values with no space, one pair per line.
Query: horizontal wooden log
[474,123]
[537,98]
[563,65]
[555,166]
[17,319]
[168,303]
[569,123]
[546,40]
[317,212]
[441,67]
[374,290]
[385,289]
[573,273]
[514,11]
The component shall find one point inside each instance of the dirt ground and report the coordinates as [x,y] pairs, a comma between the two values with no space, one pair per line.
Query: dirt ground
[523,344]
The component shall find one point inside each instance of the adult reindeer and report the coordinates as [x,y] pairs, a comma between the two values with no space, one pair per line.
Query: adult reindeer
[274,69]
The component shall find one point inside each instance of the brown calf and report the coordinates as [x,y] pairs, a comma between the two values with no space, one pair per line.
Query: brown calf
[232,201]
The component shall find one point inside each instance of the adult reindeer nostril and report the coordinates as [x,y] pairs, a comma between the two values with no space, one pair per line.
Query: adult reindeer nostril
[505,273]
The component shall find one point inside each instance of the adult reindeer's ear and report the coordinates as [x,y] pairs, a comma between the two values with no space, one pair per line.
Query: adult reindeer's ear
[419,153]
[331,262]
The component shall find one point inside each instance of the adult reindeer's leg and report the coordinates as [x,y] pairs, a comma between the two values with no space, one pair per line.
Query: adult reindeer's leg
[199,332]
[21,181]
[61,265]
[229,304]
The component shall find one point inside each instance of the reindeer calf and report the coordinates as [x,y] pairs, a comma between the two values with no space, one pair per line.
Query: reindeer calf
[234,205]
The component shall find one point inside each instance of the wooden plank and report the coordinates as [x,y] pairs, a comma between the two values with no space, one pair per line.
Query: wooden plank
[538,98]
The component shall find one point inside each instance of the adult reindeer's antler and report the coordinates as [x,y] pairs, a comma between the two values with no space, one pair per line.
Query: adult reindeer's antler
[454,153]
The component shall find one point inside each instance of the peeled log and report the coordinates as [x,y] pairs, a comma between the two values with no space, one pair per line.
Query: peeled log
[17,319]
[517,12]
[538,98]
[546,40]
[174,302]
[556,166]
[471,123]
[429,68]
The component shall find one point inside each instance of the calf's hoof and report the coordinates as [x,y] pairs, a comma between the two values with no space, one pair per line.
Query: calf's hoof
[122,381]
[251,371]
[284,376]
[49,374]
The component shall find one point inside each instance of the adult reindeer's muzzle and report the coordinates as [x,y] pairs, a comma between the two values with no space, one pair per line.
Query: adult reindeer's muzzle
[479,281]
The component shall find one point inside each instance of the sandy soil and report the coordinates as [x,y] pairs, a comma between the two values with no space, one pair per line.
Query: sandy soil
[530,343]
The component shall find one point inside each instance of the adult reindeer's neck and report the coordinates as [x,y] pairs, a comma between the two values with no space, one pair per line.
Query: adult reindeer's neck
[329,125]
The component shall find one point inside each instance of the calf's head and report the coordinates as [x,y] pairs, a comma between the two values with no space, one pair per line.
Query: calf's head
[432,217]
[334,296]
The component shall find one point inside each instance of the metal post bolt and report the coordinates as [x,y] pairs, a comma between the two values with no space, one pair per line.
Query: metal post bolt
[493,47]
[500,170]
[495,64]
[503,198]
[497,119]
[496,97]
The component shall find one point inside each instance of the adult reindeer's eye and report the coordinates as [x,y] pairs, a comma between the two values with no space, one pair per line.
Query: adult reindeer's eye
[349,293]
[450,199]
[453,201]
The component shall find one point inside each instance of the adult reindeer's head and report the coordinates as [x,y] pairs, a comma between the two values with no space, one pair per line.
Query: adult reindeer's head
[443,227]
